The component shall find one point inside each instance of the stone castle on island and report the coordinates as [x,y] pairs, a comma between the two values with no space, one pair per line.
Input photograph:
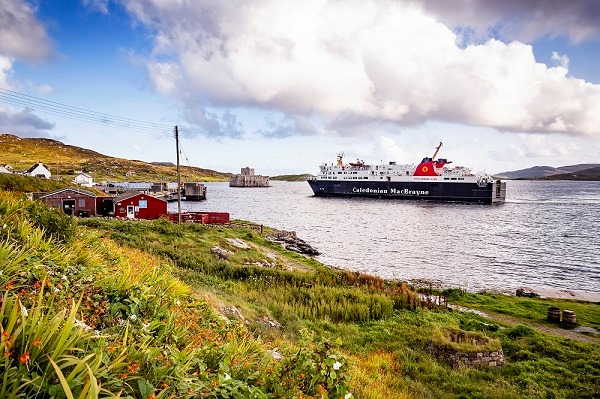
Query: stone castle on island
[247,178]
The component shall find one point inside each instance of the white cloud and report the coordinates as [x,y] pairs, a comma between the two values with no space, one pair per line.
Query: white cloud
[560,60]
[354,65]
[100,6]
[22,36]
[23,123]
[523,20]
[5,71]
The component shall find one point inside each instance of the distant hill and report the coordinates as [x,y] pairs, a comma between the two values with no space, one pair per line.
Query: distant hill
[541,172]
[301,177]
[66,160]
[585,174]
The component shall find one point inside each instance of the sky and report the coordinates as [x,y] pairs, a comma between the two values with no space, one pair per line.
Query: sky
[285,85]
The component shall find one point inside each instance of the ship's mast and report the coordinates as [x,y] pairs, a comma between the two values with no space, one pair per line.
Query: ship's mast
[436,151]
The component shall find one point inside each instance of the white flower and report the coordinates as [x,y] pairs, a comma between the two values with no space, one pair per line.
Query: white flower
[348,396]
[337,365]
[133,318]
[82,325]
[24,311]
[227,377]
[178,302]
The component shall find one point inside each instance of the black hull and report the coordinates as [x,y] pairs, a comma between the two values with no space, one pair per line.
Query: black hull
[428,191]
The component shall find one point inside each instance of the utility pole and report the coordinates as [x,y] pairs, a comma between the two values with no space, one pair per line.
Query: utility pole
[178,177]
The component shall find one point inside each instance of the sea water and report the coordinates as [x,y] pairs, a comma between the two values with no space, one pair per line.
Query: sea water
[546,234]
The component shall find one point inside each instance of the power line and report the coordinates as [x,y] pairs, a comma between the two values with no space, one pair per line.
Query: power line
[76,113]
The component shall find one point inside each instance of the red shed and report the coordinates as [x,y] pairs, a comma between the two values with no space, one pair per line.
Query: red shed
[72,201]
[137,205]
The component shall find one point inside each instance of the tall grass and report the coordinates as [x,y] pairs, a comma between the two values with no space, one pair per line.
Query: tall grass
[86,317]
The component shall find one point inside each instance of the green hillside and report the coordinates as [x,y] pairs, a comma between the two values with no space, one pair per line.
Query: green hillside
[64,160]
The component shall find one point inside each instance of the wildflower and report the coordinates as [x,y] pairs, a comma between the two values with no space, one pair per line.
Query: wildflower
[227,377]
[82,325]
[152,396]
[123,376]
[348,396]
[133,318]
[24,311]
[133,368]
[164,385]
[337,365]
[24,358]
[37,342]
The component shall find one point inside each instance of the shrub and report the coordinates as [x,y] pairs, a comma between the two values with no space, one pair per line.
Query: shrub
[55,224]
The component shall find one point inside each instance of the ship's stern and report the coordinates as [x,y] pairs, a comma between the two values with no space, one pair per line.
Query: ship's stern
[498,191]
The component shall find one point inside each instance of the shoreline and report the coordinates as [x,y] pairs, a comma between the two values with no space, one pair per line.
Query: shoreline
[561,293]
[540,292]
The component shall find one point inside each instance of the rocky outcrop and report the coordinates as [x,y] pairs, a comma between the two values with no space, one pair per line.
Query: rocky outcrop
[291,242]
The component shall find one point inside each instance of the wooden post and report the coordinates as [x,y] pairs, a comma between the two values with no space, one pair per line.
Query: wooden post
[178,177]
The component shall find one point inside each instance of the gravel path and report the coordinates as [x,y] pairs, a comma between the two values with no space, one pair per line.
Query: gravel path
[576,334]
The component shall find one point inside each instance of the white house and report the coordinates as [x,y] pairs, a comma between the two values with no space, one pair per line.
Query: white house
[6,169]
[83,179]
[38,170]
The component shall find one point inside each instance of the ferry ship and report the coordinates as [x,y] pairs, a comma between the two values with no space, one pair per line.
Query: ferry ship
[429,180]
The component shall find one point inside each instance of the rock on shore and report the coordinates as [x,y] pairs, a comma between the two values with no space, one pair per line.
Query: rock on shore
[291,242]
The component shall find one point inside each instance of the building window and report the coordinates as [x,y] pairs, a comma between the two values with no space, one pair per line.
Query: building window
[81,202]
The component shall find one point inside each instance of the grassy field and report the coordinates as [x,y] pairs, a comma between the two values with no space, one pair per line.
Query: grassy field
[378,326]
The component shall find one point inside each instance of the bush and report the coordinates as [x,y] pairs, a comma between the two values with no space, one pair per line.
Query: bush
[520,331]
[55,224]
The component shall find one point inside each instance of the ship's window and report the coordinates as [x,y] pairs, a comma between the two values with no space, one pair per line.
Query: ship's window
[453,178]
[339,173]
[446,178]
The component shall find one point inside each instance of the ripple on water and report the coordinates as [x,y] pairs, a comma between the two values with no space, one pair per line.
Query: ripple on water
[546,234]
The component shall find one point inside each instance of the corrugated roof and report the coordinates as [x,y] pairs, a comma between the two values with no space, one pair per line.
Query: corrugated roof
[75,189]
[130,194]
